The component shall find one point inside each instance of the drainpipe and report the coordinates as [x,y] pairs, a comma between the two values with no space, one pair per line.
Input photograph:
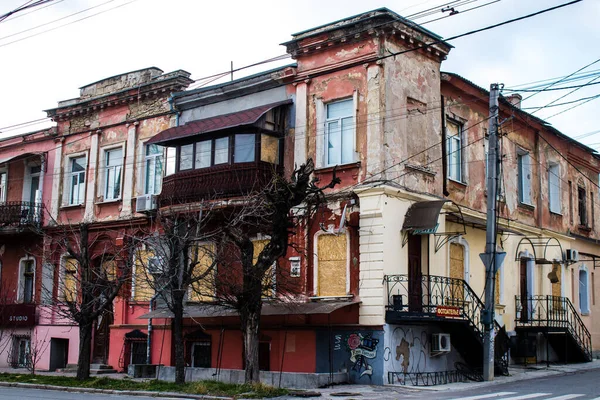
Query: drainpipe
[444,157]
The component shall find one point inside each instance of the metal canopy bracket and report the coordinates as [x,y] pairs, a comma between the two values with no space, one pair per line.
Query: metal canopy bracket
[538,246]
[422,219]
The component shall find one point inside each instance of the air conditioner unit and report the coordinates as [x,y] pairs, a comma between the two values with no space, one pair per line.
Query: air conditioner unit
[572,255]
[145,203]
[440,343]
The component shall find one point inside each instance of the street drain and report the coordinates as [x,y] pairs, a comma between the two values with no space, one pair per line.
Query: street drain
[344,394]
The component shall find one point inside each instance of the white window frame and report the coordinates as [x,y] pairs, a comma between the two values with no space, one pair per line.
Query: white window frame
[152,158]
[454,139]
[582,310]
[465,245]
[21,288]
[524,176]
[321,130]
[554,198]
[3,184]
[316,259]
[71,174]
[66,194]
[106,171]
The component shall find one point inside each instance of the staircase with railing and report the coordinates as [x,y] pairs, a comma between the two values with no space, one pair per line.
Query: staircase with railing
[451,303]
[557,318]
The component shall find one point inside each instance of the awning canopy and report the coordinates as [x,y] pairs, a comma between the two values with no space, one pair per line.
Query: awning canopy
[210,311]
[423,216]
[422,219]
[213,124]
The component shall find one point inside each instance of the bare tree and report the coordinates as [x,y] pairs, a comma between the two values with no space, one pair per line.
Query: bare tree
[37,348]
[91,273]
[190,244]
[173,258]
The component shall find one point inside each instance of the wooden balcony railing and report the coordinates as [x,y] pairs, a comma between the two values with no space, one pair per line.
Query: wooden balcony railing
[221,181]
[20,214]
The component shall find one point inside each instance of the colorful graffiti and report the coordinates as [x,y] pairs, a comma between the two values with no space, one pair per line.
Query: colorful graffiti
[410,347]
[362,348]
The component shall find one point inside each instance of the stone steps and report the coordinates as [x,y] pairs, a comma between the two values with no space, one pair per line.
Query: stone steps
[95,369]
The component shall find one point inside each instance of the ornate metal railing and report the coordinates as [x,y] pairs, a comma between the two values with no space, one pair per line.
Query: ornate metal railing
[553,312]
[220,181]
[19,214]
[422,296]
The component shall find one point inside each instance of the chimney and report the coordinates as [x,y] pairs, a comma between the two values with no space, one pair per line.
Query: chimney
[515,99]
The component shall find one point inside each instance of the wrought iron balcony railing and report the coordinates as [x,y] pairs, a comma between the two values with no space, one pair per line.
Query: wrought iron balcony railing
[426,295]
[20,214]
[553,312]
[220,181]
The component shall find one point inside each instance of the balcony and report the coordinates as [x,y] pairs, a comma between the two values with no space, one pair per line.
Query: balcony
[557,318]
[20,215]
[216,182]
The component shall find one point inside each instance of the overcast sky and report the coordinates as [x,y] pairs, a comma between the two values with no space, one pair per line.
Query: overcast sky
[202,37]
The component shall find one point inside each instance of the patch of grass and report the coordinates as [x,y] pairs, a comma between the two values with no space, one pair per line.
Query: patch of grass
[201,387]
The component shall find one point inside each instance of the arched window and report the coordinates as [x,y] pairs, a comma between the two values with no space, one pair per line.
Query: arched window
[584,302]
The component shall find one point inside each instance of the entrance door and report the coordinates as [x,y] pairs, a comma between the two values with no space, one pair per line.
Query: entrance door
[264,356]
[201,354]
[58,353]
[415,284]
[523,290]
[101,338]
[138,352]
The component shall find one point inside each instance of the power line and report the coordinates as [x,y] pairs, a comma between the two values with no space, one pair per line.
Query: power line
[25,6]
[68,23]
[553,89]
[52,3]
[561,104]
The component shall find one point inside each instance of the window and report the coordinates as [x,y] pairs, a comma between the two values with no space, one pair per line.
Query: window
[69,280]
[21,349]
[153,169]
[584,306]
[3,187]
[47,283]
[454,151]
[581,201]
[339,132]
[145,267]
[77,180]
[27,278]
[524,177]
[221,150]
[203,258]
[269,149]
[332,265]
[186,157]
[244,148]
[270,277]
[114,166]
[554,188]
[203,154]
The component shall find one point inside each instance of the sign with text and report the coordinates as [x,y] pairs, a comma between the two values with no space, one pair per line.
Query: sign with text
[17,315]
[448,312]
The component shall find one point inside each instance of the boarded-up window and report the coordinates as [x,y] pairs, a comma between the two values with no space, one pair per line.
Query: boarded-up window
[556,287]
[497,294]
[109,268]
[457,261]
[332,254]
[269,282]
[142,276]
[70,280]
[203,289]
[269,149]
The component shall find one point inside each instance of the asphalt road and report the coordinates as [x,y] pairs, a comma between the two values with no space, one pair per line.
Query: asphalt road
[10,393]
[582,385]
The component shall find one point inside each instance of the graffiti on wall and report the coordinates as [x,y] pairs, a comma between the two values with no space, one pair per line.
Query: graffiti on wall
[362,348]
[406,350]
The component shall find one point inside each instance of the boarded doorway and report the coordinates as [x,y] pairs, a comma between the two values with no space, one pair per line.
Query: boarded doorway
[415,276]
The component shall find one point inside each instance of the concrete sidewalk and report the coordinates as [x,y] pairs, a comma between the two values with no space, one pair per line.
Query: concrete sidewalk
[517,373]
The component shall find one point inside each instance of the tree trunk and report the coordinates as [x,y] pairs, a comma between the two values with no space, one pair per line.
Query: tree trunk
[250,328]
[178,339]
[85,350]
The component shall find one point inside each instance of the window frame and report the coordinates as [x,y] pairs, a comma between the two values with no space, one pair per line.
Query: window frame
[459,137]
[582,217]
[3,184]
[107,171]
[22,280]
[522,177]
[584,311]
[554,175]
[152,158]
[71,175]
[326,121]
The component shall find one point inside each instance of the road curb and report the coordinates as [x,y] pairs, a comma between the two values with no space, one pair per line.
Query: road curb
[114,392]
